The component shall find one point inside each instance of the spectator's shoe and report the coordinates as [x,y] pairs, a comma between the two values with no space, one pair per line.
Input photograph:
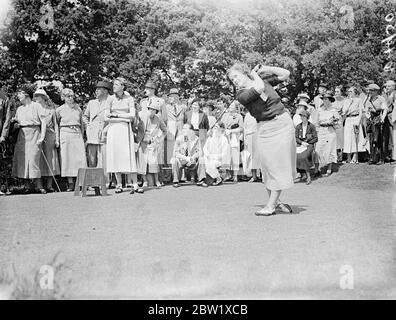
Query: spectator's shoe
[132,191]
[235,180]
[283,207]
[176,185]
[2,193]
[140,190]
[42,191]
[309,181]
[371,162]
[158,185]
[218,182]
[328,173]
[202,183]
[380,162]
[265,212]
[297,180]
[50,190]
[118,190]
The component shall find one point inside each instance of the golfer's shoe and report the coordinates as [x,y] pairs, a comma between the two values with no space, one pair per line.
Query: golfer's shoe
[266,211]
[283,207]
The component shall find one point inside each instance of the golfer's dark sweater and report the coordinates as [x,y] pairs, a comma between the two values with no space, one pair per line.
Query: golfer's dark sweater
[258,108]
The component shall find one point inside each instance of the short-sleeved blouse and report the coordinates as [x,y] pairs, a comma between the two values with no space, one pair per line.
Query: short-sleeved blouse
[29,115]
[262,110]
[68,116]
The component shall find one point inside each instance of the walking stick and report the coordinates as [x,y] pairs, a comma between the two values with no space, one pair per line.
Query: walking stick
[356,130]
[49,167]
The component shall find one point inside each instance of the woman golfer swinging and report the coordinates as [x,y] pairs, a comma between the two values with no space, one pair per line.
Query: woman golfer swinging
[276,136]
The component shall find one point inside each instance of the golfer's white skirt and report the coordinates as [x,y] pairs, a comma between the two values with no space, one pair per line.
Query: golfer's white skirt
[277,149]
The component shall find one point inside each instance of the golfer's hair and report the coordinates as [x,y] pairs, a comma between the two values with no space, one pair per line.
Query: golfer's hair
[241,68]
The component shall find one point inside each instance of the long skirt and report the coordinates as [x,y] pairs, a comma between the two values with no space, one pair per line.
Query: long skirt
[120,149]
[340,137]
[72,151]
[147,159]
[50,164]
[304,159]
[277,151]
[350,136]
[26,163]
[326,147]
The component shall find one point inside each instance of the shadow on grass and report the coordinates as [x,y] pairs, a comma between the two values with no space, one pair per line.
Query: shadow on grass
[296,209]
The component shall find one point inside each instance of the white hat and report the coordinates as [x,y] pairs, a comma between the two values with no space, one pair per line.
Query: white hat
[41,92]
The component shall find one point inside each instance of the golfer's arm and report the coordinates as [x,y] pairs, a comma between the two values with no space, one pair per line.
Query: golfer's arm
[282,73]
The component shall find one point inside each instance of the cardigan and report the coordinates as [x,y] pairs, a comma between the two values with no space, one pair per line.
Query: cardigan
[311,136]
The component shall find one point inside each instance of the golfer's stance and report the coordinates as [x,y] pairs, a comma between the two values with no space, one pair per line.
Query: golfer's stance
[276,136]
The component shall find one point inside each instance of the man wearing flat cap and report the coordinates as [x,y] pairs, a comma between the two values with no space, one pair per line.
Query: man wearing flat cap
[176,111]
[376,110]
[94,121]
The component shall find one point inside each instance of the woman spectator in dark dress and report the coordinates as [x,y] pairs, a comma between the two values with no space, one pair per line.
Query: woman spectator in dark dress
[306,137]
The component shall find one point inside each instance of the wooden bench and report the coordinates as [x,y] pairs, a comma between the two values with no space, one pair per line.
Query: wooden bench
[90,177]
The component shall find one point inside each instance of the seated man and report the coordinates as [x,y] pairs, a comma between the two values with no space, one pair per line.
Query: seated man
[186,154]
[217,153]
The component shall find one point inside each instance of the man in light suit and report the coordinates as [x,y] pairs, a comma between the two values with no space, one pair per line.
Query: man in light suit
[175,111]
[93,119]
[187,154]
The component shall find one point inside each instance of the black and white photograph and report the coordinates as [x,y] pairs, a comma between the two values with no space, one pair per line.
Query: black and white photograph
[220,150]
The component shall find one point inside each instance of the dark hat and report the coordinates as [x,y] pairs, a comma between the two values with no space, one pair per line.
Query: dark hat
[104,84]
[373,86]
[174,91]
[28,89]
[150,84]
[305,114]
[329,96]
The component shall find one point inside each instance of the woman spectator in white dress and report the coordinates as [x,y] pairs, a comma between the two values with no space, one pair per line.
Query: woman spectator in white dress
[250,143]
[352,111]
[326,147]
[49,164]
[120,149]
[72,149]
